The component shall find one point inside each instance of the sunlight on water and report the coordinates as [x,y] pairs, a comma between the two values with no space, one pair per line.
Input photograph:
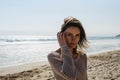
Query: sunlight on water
[15,50]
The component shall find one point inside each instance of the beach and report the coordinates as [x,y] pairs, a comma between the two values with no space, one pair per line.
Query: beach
[101,66]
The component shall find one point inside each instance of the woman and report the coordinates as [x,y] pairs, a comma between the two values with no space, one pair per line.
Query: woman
[69,62]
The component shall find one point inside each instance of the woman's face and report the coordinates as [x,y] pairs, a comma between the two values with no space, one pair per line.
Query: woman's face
[72,36]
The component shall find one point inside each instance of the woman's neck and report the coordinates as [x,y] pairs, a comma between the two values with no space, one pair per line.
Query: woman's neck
[59,50]
[74,54]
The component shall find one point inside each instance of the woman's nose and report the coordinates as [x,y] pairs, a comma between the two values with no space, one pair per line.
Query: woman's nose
[73,37]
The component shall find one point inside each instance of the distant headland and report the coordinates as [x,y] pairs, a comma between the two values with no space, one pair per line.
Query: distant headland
[118,35]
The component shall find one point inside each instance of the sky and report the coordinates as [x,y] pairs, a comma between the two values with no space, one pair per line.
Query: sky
[45,17]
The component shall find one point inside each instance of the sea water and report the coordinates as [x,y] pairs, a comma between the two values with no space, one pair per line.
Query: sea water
[22,49]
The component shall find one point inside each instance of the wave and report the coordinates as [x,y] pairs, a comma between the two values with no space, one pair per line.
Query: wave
[23,38]
[42,38]
[16,40]
[101,38]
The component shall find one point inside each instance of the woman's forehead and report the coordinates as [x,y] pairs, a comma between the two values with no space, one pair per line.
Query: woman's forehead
[72,30]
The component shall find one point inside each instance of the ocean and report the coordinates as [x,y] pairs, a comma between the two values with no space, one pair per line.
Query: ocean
[21,49]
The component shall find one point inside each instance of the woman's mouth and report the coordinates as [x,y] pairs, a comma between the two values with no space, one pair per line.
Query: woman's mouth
[72,43]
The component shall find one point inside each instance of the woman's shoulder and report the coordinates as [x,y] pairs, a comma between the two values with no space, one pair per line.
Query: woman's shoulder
[53,54]
[81,53]
[84,55]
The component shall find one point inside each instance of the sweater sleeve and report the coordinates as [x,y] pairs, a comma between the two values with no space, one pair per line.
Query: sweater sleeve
[68,66]
[65,67]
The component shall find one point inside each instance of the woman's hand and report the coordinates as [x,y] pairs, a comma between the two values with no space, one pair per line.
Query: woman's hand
[61,38]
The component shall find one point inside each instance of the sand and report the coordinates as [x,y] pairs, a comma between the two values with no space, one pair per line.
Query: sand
[102,66]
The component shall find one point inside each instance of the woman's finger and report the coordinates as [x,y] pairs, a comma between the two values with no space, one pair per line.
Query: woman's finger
[61,38]
[58,36]
[64,36]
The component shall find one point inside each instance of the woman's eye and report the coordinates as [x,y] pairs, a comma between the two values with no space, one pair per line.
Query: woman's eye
[78,35]
[69,35]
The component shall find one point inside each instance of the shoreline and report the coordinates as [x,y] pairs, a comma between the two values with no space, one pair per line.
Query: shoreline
[19,68]
[101,66]
[99,52]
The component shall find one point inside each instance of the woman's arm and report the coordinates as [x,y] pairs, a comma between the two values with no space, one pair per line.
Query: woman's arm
[64,67]
[68,66]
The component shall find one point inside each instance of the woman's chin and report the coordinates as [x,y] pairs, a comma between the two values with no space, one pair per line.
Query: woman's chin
[72,46]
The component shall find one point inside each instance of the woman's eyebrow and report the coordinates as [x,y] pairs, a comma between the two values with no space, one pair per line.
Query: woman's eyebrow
[71,33]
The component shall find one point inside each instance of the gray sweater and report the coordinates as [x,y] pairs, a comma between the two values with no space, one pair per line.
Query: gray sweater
[65,67]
